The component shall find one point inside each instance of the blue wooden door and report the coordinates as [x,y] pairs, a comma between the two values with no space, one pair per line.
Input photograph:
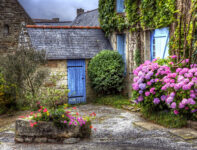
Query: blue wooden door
[159,43]
[76,81]
[121,46]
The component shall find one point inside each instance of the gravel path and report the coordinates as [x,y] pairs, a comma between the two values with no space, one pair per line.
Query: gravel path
[114,131]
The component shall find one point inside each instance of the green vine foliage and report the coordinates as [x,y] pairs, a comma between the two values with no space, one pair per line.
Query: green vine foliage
[110,21]
[138,57]
[132,12]
[157,13]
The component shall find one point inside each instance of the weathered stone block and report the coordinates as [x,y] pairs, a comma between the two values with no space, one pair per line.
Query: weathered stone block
[192,124]
[29,139]
[19,140]
[71,140]
[45,132]
[40,140]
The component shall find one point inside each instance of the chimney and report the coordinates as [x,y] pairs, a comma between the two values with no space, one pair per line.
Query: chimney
[80,11]
[56,19]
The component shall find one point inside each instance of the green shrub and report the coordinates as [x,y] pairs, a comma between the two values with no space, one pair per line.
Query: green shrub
[7,100]
[23,73]
[106,72]
[51,96]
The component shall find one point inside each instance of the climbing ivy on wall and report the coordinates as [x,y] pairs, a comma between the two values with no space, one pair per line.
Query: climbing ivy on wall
[133,12]
[110,21]
[139,13]
[183,43]
[150,13]
[165,11]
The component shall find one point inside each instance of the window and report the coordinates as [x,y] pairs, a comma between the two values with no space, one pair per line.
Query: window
[159,43]
[120,7]
[6,30]
[121,46]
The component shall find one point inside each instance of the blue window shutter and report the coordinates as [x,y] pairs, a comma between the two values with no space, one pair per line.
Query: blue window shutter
[121,46]
[159,43]
[120,6]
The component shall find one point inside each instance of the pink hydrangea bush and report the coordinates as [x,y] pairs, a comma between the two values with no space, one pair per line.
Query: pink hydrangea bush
[148,83]
[182,91]
[158,85]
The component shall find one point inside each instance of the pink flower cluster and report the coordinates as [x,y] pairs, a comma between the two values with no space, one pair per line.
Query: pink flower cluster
[179,88]
[145,76]
[183,81]
[75,120]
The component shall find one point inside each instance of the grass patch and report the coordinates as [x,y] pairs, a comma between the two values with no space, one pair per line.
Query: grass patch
[116,101]
[165,118]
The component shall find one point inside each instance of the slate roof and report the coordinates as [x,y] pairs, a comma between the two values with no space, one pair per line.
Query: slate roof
[89,18]
[68,43]
[65,23]
[52,22]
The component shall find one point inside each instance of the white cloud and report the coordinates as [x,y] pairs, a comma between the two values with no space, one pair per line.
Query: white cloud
[63,9]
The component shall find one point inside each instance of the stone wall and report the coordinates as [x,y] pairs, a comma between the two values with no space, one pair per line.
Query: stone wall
[131,46]
[60,67]
[12,18]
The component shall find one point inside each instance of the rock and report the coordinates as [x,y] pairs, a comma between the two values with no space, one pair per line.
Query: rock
[40,140]
[52,141]
[71,140]
[19,140]
[192,124]
[29,139]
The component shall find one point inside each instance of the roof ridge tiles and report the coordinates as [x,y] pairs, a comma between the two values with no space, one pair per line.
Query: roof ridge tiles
[62,27]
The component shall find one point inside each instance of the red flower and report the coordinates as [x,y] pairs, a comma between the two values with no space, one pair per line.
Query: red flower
[91,127]
[32,125]
[40,110]
[77,113]
[45,110]
[94,113]
[74,108]
[22,117]
[31,113]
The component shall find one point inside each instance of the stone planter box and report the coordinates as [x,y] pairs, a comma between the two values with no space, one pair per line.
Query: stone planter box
[192,124]
[46,132]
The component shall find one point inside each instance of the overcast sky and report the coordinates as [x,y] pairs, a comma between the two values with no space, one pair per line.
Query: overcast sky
[63,9]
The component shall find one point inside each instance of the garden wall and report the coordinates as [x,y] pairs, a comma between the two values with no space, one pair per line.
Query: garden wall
[47,132]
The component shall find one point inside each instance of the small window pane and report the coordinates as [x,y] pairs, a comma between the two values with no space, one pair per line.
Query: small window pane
[6,30]
[120,6]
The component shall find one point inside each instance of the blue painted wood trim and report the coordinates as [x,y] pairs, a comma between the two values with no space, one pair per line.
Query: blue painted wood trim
[167,41]
[151,44]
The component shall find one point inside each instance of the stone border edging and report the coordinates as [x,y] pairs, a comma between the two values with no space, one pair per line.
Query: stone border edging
[46,132]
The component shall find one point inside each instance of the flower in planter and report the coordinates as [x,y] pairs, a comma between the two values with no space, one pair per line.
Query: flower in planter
[45,110]
[60,117]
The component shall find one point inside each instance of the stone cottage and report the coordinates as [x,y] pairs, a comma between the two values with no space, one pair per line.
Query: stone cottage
[69,45]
